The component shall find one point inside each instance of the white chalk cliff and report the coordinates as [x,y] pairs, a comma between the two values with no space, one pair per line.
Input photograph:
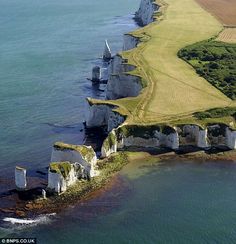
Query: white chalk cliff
[98,115]
[146,11]
[109,145]
[231,138]
[84,155]
[129,42]
[59,183]
[123,85]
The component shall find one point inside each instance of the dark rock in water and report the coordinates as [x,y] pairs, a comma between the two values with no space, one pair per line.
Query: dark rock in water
[96,74]
[41,172]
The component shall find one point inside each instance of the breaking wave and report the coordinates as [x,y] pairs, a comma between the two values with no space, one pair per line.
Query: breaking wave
[43,219]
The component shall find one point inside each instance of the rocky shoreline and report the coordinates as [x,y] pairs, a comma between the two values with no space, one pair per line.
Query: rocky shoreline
[75,172]
[82,191]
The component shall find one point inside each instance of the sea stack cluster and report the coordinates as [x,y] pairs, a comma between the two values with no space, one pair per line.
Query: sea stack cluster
[70,163]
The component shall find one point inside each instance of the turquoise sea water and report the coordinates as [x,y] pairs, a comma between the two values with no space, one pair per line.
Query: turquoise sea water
[47,50]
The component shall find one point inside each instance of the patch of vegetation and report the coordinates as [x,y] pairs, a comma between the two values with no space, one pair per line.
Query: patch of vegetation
[87,152]
[216,62]
[217,113]
[143,131]
[62,168]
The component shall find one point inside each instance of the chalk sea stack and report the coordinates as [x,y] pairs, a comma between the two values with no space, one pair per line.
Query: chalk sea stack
[96,74]
[107,52]
[20,178]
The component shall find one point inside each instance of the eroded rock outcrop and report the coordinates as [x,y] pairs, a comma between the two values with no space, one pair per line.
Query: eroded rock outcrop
[20,178]
[60,176]
[119,65]
[123,85]
[106,52]
[192,135]
[129,42]
[216,135]
[102,115]
[127,136]
[81,154]
[109,145]
[96,74]
[231,138]
[144,15]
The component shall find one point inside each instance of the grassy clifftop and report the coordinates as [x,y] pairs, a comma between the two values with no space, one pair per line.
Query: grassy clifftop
[174,91]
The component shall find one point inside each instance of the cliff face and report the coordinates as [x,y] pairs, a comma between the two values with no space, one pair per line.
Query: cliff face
[83,155]
[70,163]
[193,135]
[123,85]
[109,145]
[156,137]
[58,182]
[231,138]
[129,42]
[98,115]
[146,11]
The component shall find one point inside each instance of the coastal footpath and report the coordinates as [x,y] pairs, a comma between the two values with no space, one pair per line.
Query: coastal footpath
[152,96]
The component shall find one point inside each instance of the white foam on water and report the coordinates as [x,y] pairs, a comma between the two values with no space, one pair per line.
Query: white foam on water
[32,222]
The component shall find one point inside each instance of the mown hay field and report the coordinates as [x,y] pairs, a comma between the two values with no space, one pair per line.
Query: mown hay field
[174,89]
[227,35]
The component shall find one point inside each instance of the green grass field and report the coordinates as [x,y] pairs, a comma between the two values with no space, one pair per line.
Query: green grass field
[174,91]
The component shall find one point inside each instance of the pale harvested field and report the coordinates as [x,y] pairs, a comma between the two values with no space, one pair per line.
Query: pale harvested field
[224,10]
[227,35]
[174,89]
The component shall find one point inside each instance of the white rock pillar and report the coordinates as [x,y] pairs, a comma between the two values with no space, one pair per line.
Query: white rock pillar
[107,52]
[96,74]
[202,141]
[230,138]
[20,178]
[173,139]
[44,194]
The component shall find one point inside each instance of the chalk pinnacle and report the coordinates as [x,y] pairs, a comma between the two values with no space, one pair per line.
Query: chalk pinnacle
[107,52]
